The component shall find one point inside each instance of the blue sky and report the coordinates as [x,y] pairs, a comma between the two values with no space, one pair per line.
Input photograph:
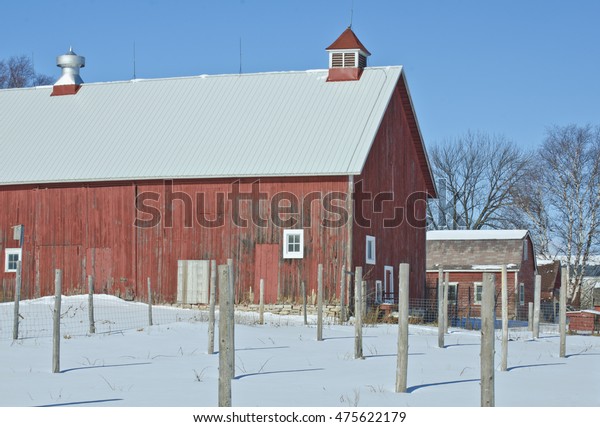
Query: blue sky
[513,67]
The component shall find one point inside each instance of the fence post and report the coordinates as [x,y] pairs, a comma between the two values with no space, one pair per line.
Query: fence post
[358,347]
[364,301]
[536,306]
[441,328]
[487,340]
[211,306]
[530,316]
[231,314]
[402,364]
[504,363]
[563,311]
[225,339]
[91,304]
[446,286]
[343,295]
[17,300]
[149,303]
[320,303]
[304,303]
[261,302]
[56,318]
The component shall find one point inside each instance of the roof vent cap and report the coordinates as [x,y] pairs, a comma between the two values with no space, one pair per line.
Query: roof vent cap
[70,63]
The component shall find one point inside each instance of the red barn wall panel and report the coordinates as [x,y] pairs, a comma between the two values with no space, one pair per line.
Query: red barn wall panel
[393,171]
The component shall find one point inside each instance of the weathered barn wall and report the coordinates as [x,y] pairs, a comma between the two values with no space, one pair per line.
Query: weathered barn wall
[89,229]
[393,177]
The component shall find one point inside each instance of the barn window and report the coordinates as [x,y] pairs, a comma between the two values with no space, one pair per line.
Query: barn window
[477,290]
[370,250]
[525,251]
[521,294]
[293,244]
[11,257]
[378,292]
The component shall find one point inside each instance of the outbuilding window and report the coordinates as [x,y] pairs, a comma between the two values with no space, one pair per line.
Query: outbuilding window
[521,294]
[452,295]
[293,244]
[11,257]
[478,289]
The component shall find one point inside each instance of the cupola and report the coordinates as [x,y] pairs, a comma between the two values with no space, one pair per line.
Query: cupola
[347,57]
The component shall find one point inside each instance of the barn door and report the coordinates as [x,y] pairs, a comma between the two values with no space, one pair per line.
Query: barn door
[69,259]
[266,267]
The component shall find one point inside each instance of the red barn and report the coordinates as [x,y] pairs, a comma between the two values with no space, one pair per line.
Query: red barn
[151,178]
[467,254]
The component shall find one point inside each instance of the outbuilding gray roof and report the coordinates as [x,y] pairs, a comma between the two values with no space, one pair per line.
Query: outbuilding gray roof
[247,125]
[475,250]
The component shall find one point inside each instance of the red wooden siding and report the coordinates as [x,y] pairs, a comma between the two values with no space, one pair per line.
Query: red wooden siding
[85,229]
[393,168]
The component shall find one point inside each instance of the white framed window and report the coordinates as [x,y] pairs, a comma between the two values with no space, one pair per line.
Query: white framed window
[378,292]
[521,294]
[477,291]
[293,244]
[452,295]
[11,257]
[370,250]
[525,250]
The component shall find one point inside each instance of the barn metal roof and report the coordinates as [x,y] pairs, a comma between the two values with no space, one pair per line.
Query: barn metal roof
[246,125]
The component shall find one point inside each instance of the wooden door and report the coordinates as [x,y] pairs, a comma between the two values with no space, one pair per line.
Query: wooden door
[266,267]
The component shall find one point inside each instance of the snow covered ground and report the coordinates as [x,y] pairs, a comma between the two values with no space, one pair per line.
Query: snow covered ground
[277,364]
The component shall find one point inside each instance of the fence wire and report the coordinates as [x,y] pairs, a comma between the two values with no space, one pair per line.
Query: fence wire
[111,314]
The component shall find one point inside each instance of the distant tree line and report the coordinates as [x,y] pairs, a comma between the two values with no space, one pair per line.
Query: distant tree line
[18,71]
[487,182]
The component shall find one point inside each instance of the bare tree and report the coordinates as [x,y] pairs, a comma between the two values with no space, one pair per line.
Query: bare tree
[532,209]
[476,176]
[18,71]
[571,182]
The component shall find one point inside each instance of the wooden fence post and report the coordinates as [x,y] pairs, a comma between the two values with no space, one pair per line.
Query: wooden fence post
[536,306]
[225,339]
[320,303]
[149,303]
[563,311]
[343,295]
[261,302]
[364,303]
[231,314]
[530,316]
[17,300]
[504,363]
[487,340]
[91,304]
[402,364]
[441,327]
[446,286]
[56,318]
[211,306]
[304,303]
[358,347]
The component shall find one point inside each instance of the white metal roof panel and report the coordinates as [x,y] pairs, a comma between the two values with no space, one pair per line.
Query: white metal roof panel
[476,234]
[267,124]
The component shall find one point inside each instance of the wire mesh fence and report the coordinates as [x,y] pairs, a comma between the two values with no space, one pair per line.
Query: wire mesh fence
[425,312]
[111,314]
